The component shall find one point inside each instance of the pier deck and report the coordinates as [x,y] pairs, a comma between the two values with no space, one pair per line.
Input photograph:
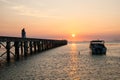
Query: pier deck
[26,46]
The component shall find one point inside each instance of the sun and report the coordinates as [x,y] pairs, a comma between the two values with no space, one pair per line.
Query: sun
[73,35]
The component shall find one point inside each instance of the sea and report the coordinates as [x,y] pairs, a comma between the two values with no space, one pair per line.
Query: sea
[70,62]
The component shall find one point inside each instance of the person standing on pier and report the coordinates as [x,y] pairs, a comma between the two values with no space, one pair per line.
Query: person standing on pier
[23,33]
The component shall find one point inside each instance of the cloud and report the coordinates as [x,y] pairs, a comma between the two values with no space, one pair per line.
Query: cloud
[23,10]
[26,10]
[4,1]
[39,13]
[8,2]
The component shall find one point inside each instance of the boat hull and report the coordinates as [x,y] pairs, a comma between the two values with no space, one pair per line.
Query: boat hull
[98,51]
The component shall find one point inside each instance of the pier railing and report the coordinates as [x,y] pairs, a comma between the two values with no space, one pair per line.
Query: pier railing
[26,46]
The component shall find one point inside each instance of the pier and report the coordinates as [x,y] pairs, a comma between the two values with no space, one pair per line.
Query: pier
[26,46]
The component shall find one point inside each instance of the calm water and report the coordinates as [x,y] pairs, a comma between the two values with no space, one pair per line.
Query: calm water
[65,63]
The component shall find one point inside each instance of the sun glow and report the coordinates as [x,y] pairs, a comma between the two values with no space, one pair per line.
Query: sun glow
[73,35]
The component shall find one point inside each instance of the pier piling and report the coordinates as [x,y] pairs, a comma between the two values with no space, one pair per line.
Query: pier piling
[31,51]
[16,44]
[8,50]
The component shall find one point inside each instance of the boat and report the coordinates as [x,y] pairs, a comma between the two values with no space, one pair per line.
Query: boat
[98,47]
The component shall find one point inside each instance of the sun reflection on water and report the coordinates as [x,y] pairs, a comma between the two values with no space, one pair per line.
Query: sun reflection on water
[73,63]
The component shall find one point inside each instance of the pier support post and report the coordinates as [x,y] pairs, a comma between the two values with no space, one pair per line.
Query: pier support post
[31,47]
[45,44]
[8,51]
[35,49]
[38,45]
[21,48]
[25,48]
[16,50]
[42,46]
[51,44]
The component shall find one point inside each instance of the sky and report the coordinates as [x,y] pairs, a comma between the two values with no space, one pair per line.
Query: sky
[60,19]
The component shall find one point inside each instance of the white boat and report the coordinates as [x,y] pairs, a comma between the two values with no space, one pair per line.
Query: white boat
[98,47]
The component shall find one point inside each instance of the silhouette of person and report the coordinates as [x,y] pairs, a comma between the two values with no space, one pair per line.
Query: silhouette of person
[23,33]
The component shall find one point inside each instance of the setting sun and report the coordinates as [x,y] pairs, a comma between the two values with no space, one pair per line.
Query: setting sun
[78,20]
[73,35]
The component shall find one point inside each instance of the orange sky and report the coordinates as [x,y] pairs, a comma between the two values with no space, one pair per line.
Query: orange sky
[59,19]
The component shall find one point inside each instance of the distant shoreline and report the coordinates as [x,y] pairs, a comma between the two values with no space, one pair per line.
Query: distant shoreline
[89,41]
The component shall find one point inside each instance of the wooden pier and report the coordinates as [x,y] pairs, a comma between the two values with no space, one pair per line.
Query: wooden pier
[26,46]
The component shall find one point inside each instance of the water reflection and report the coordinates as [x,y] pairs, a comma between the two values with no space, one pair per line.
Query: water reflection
[65,63]
[73,63]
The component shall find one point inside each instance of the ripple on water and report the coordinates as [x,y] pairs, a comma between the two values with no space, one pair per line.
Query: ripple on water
[63,63]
